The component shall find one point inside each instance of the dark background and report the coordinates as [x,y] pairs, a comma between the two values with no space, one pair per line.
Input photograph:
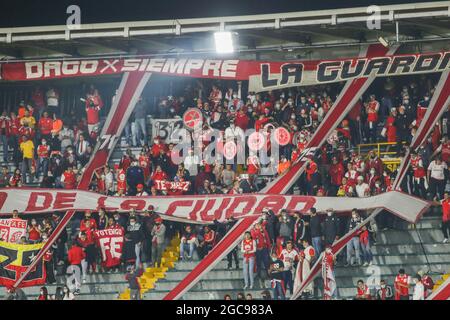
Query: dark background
[17,13]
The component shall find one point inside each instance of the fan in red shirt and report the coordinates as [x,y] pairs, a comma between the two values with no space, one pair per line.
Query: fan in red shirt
[45,125]
[157,147]
[241,119]
[446,217]
[336,173]
[362,291]
[121,178]
[401,285]
[159,174]
[145,164]
[126,160]
[389,127]
[93,105]
[69,178]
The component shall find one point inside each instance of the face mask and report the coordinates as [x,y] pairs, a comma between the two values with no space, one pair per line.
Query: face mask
[372,171]
[290,103]
[293,117]
[427,98]
[329,214]
[132,223]
[44,142]
[405,101]
[277,106]
[235,96]
[383,286]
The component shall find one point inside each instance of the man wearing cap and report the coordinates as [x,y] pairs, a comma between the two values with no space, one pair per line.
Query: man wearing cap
[158,235]
[140,192]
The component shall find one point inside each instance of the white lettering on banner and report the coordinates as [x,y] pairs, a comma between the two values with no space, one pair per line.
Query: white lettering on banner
[203,208]
[155,65]
[88,66]
[193,64]
[33,70]
[131,65]
[109,65]
[167,129]
[174,66]
[70,67]
[229,68]
[52,65]
[113,245]
[212,65]
[107,141]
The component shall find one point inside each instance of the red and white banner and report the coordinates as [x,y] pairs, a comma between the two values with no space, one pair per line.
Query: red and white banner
[110,242]
[164,185]
[203,208]
[11,230]
[130,89]
[262,75]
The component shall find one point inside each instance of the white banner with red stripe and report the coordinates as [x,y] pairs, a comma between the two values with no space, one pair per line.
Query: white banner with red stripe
[203,208]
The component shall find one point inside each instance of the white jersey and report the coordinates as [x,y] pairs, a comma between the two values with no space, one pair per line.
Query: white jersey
[288,258]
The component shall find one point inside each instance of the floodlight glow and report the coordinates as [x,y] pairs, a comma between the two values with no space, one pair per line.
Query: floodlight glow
[224,42]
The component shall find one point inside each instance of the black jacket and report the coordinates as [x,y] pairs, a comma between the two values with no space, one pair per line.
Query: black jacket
[330,229]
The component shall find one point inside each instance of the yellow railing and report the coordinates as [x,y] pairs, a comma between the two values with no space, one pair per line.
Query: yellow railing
[378,147]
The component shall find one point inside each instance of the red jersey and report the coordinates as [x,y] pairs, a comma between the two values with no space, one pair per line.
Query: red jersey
[417,167]
[34,234]
[400,284]
[336,173]
[45,126]
[75,255]
[69,180]
[43,151]
[446,210]
[261,237]
[364,292]
[122,181]
[248,245]
[391,130]
[372,111]
[445,151]
[144,163]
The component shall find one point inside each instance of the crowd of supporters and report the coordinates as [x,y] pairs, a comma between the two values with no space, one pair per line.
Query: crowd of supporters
[51,149]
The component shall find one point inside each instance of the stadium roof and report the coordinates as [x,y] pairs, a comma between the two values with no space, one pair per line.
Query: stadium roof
[291,35]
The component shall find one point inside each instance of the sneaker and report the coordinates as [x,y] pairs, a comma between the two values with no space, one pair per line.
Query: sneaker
[365,264]
[370,263]
[84,280]
[229,268]
[77,291]
[237,267]
[251,288]
[346,265]
[445,240]
[245,288]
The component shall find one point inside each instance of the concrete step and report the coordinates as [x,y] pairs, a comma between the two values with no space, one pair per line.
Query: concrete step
[410,236]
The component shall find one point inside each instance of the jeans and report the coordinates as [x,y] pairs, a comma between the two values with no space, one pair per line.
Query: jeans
[128,133]
[366,252]
[288,281]
[437,188]
[141,129]
[4,140]
[26,167]
[230,256]
[353,245]
[278,290]
[137,250]
[446,229]
[317,245]
[262,260]
[249,271]
[157,250]
[42,167]
[189,247]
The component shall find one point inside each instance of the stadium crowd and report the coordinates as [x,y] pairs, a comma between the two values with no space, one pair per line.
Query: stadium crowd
[51,149]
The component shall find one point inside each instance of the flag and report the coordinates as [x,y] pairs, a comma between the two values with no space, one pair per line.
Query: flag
[15,259]
[110,242]
[11,230]
[329,282]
